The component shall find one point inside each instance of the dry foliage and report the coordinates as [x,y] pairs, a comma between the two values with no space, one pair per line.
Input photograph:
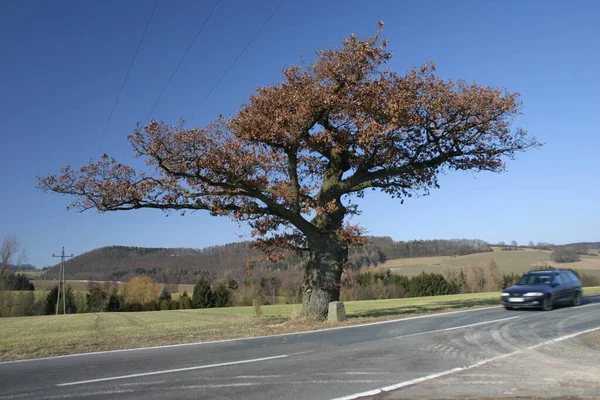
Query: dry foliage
[140,289]
[292,159]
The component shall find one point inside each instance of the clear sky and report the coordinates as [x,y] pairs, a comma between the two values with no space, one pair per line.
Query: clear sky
[62,64]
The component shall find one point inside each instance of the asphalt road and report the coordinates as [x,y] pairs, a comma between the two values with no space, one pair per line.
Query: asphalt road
[328,364]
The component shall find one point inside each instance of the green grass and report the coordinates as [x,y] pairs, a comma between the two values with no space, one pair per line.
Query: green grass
[27,337]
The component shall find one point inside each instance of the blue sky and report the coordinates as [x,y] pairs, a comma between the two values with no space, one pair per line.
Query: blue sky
[63,64]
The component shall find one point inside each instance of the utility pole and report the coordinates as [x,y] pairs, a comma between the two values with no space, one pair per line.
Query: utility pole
[61,280]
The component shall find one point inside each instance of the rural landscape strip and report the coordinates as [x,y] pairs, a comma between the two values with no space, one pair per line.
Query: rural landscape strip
[412,382]
[168,371]
[248,338]
[457,327]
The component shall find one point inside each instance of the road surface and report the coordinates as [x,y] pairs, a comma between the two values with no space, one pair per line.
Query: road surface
[336,363]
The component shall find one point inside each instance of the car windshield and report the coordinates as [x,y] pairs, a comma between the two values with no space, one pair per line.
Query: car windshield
[535,280]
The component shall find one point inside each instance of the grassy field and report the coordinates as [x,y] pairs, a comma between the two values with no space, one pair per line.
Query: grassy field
[508,261]
[27,337]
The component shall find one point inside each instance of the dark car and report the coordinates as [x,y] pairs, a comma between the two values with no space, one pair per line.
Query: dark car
[543,289]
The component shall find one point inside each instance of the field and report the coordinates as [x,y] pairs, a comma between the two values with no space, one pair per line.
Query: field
[508,261]
[27,337]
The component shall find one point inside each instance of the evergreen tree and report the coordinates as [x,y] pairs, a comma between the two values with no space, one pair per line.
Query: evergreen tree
[203,296]
[222,296]
[50,308]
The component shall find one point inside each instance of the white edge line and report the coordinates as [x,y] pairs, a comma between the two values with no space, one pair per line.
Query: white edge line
[168,371]
[459,369]
[266,336]
[251,337]
[457,327]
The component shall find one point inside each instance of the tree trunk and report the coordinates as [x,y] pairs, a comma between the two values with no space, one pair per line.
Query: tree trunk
[322,276]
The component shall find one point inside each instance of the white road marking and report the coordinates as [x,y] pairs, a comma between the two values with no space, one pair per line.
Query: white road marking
[92,353]
[456,327]
[168,371]
[459,369]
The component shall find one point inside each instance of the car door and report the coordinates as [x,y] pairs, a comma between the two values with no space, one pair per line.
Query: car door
[569,286]
[560,289]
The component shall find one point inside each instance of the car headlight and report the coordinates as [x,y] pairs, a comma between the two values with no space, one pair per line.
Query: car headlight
[505,294]
[533,294]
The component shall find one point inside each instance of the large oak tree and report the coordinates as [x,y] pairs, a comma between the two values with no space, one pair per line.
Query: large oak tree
[296,154]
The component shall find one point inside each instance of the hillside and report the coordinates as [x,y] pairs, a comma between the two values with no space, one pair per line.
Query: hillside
[584,245]
[180,265]
[507,261]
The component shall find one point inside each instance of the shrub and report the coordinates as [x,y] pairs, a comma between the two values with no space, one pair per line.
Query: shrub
[164,295]
[96,299]
[565,255]
[510,279]
[589,280]
[132,307]
[115,303]
[431,284]
[185,303]
[203,296]
[222,296]
[493,277]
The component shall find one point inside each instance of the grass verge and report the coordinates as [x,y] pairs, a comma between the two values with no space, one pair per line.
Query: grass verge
[30,337]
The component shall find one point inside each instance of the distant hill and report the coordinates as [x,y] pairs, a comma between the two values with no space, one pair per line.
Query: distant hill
[584,245]
[181,265]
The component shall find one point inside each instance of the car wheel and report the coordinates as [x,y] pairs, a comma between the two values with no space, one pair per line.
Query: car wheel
[577,299]
[548,304]
[508,308]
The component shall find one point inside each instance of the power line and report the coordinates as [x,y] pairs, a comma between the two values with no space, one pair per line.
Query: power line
[169,81]
[119,95]
[235,60]
[125,80]
[182,58]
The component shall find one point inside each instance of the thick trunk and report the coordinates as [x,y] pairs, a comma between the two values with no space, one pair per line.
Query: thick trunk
[322,276]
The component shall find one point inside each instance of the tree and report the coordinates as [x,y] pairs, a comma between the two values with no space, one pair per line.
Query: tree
[50,306]
[292,160]
[514,243]
[96,298]
[11,256]
[222,295]
[140,289]
[203,296]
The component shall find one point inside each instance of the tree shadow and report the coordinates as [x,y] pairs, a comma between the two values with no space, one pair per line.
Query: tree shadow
[425,308]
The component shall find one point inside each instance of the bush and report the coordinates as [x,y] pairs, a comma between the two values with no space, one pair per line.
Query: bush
[164,295]
[510,279]
[203,296]
[589,280]
[132,307]
[115,303]
[563,255]
[431,284]
[96,299]
[222,296]
[185,303]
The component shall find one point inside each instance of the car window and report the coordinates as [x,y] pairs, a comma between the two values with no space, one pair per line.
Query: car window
[557,280]
[535,279]
[565,277]
[574,277]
